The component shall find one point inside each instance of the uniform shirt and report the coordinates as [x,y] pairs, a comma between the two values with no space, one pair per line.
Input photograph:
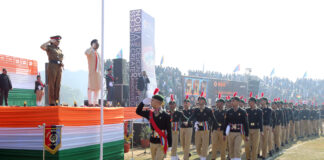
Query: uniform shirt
[285,111]
[296,115]
[206,116]
[290,115]
[186,115]
[273,119]
[162,121]
[220,119]
[267,112]
[255,118]
[305,114]
[176,118]
[279,117]
[38,86]
[54,53]
[238,117]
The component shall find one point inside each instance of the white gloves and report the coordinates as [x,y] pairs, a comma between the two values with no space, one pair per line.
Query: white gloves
[196,126]
[169,149]
[227,130]
[147,101]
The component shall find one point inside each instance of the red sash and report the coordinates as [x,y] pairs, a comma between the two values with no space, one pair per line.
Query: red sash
[163,137]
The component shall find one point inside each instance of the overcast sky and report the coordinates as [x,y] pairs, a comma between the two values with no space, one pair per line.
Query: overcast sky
[262,35]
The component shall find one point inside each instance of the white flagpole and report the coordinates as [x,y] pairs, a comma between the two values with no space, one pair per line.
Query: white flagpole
[44,141]
[102,77]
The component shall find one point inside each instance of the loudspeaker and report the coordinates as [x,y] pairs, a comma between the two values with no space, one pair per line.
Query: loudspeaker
[120,71]
[121,93]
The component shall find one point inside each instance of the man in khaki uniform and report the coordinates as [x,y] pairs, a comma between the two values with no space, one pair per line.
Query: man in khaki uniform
[278,125]
[236,124]
[297,121]
[186,129]
[218,142]
[94,78]
[203,116]
[255,120]
[54,69]
[267,127]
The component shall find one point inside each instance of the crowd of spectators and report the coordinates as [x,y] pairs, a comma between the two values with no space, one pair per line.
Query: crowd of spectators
[300,91]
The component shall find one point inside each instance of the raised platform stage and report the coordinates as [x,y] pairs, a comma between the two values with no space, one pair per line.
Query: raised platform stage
[20,137]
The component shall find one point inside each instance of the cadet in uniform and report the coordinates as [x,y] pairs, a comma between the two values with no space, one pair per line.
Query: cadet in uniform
[267,127]
[176,118]
[291,129]
[297,120]
[304,122]
[54,68]
[236,124]
[312,113]
[186,129]
[255,120]
[278,125]
[218,142]
[317,118]
[203,117]
[321,119]
[284,124]
[160,125]
[271,139]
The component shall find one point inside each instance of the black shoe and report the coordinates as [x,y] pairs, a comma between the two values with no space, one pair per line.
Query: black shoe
[277,149]
[52,104]
[270,153]
[189,154]
[259,156]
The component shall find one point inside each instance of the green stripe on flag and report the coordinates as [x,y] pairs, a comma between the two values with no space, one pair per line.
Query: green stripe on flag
[112,151]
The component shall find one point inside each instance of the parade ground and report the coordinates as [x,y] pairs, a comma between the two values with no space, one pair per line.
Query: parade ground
[310,149]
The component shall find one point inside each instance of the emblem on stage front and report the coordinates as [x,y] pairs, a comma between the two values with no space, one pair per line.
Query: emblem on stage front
[53,138]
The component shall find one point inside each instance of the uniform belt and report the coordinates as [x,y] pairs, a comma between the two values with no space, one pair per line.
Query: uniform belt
[155,134]
[55,62]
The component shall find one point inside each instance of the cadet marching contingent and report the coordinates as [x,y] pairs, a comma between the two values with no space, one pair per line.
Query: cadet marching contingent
[263,126]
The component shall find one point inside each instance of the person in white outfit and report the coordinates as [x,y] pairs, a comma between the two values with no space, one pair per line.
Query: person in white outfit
[94,66]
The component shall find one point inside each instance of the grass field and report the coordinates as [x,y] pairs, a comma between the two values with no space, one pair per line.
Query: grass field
[307,149]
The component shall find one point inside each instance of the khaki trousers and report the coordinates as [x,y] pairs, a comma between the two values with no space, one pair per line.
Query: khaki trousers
[54,74]
[283,134]
[308,131]
[175,140]
[264,141]
[185,141]
[297,130]
[292,130]
[315,127]
[303,128]
[321,125]
[157,151]
[251,146]
[277,136]
[202,142]
[234,143]
[287,134]
[271,140]
[218,144]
